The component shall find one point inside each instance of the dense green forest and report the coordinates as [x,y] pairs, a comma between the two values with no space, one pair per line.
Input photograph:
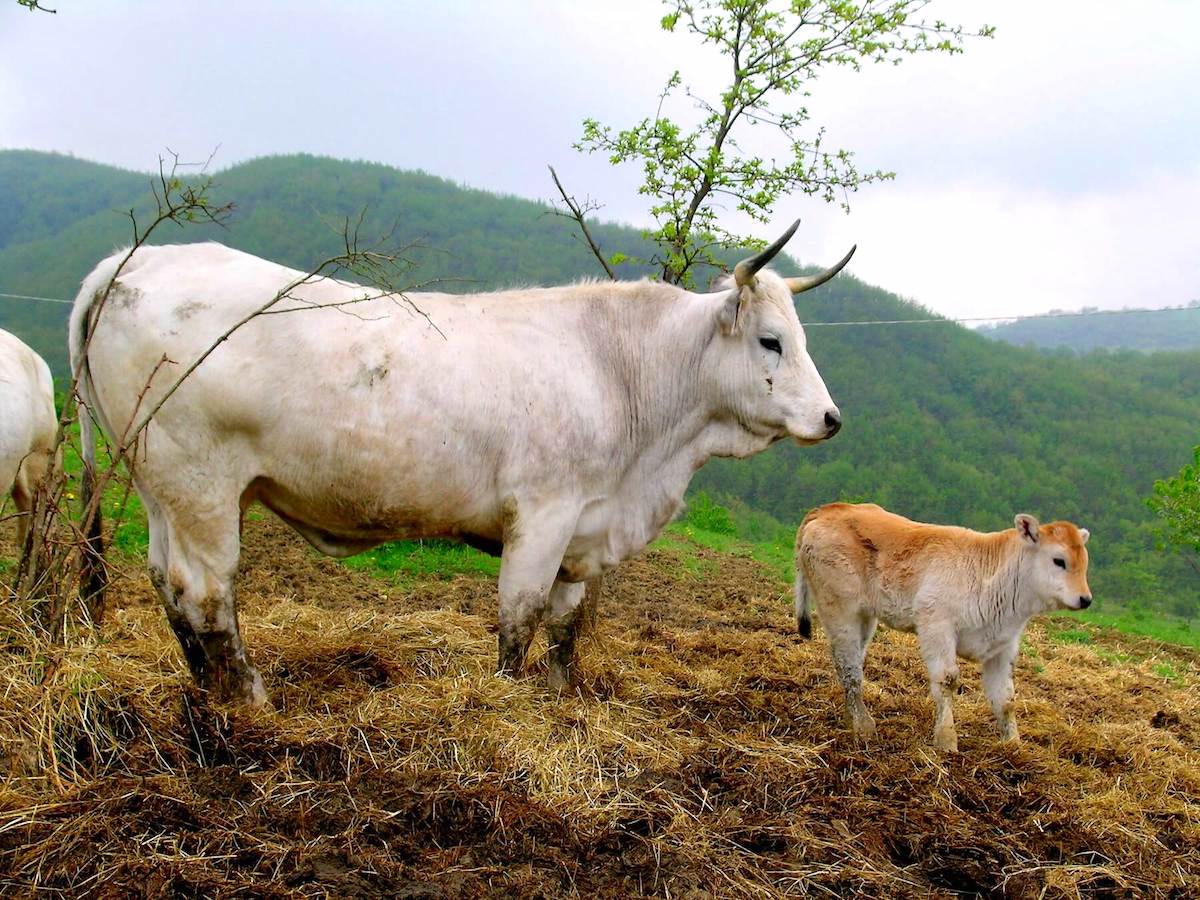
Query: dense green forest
[1174,328]
[941,423]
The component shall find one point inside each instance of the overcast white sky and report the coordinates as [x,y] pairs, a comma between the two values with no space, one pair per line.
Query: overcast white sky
[1056,165]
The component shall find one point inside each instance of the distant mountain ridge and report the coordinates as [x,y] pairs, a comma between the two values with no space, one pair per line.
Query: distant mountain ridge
[941,423]
[1171,328]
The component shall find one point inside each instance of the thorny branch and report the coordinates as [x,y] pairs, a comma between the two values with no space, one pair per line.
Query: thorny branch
[577,213]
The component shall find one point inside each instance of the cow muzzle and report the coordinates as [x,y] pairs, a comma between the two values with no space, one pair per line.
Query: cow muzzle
[829,425]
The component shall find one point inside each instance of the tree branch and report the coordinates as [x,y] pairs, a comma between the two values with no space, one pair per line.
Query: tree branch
[577,214]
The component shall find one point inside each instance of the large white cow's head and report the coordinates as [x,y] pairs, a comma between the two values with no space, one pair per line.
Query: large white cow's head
[769,382]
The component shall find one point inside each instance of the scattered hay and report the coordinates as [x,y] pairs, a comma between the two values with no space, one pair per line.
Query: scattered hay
[701,755]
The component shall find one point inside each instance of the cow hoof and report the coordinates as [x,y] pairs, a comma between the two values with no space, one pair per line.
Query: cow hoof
[557,679]
[256,696]
[1010,736]
[243,688]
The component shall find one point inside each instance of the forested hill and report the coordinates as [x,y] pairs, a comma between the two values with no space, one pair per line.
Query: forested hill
[1176,328]
[59,216]
[941,423]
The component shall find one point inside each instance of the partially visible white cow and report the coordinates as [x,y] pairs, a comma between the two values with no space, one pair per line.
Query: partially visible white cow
[964,594]
[562,424]
[28,424]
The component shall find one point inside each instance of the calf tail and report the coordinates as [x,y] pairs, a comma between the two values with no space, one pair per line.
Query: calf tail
[803,604]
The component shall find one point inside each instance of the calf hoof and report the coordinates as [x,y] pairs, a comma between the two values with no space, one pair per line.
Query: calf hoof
[1010,735]
[947,743]
[864,731]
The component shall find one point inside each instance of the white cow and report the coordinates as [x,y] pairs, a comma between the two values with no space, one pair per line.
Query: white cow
[28,424]
[964,594]
[561,424]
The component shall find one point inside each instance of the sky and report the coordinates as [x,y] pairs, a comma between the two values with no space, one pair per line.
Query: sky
[1054,166]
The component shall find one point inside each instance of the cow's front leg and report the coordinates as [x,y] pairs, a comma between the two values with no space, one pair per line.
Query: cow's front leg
[998,685]
[533,550]
[942,662]
[562,624]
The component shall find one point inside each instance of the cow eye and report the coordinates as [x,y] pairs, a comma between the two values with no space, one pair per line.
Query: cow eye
[772,344]
[1060,562]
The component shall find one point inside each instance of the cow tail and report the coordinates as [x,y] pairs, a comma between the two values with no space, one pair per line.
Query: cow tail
[803,604]
[93,574]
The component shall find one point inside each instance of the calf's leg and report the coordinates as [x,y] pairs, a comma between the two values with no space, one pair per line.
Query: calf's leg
[998,685]
[942,663]
[849,631]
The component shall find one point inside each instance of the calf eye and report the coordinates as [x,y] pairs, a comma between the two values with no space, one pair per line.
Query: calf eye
[1060,562]
[772,344]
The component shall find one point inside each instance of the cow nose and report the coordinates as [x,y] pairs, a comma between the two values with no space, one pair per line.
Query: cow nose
[833,421]
[1085,602]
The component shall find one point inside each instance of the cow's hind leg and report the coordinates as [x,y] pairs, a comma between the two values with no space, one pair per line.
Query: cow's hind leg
[23,501]
[158,556]
[534,544]
[562,625]
[199,598]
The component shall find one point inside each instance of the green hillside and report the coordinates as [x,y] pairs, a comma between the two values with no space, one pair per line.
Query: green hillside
[942,423]
[1174,328]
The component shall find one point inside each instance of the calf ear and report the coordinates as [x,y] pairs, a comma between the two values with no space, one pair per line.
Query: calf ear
[731,311]
[1084,534]
[1027,527]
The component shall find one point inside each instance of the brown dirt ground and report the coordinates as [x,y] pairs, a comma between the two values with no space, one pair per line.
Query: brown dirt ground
[702,755]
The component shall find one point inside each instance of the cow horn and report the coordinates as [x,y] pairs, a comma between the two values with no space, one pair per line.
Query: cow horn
[743,272]
[807,282]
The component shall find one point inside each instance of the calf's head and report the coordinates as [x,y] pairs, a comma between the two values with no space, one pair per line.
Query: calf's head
[1055,562]
[768,380]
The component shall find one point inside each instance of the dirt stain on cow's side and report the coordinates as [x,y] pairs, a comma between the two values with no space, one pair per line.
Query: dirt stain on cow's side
[186,310]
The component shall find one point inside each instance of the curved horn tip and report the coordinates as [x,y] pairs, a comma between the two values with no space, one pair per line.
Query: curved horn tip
[743,272]
[798,285]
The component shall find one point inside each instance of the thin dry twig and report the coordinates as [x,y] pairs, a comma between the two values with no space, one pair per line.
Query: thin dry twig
[578,213]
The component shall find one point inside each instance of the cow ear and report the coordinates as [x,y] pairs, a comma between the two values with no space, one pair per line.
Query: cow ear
[731,312]
[1027,527]
[1084,534]
[722,281]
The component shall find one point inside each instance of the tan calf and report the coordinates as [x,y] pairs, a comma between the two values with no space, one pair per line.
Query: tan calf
[963,592]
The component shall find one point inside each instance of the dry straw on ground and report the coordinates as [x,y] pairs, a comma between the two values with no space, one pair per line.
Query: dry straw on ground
[701,756]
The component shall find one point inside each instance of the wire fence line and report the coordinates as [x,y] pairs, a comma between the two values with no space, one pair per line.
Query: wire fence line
[932,320]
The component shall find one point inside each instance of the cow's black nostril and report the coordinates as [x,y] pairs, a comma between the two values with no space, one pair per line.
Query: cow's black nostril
[833,421]
[1085,602]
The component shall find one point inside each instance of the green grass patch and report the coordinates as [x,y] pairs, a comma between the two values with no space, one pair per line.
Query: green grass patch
[1069,635]
[407,562]
[1167,671]
[1158,627]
